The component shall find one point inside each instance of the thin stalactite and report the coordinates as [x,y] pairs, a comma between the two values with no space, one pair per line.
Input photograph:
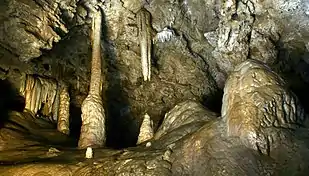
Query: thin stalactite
[143,19]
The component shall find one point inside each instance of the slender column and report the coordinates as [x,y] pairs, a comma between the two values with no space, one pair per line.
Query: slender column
[93,116]
[63,124]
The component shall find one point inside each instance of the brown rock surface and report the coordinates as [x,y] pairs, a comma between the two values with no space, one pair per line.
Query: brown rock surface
[265,133]
[256,104]
[261,132]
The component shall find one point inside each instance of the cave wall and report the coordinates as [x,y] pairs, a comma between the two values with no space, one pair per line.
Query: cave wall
[51,38]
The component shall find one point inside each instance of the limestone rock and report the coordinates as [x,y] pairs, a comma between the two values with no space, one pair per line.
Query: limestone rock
[233,34]
[89,153]
[146,130]
[264,40]
[93,133]
[182,114]
[29,26]
[40,95]
[63,121]
[256,104]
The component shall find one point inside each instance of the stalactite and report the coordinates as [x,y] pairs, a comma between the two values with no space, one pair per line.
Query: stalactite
[144,33]
[63,124]
[55,108]
[48,95]
[22,87]
[36,96]
[40,95]
[93,117]
[28,91]
[146,130]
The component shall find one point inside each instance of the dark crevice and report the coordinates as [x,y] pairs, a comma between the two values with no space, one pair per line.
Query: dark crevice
[214,102]
[295,71]
[121,129]
[75,122]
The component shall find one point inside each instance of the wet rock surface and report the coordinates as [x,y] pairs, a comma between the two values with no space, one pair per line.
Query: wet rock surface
[192,140]
[246,29]
[260,96]
[196,49]
[29,26]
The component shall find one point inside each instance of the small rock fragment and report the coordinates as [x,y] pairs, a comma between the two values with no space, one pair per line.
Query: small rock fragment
[148,144]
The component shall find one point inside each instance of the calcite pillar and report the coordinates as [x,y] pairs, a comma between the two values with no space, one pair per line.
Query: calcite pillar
[93,117]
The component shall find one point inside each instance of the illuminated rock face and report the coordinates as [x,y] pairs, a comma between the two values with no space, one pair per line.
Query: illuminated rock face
[256,105]
[262,132]
[47,98]
[93,117]
[93,123]
[183,114]
[40,21]
[63,123]
[146,130]
[40,96]
[145,39]
[183,70]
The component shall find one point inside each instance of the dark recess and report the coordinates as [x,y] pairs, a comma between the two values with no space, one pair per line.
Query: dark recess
[214,101]
[292,67]
[10,101]
[122,131]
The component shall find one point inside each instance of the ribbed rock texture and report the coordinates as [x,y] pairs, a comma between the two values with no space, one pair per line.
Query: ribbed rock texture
[183,114]
[41,96]
[33,25]
[256,104]
[192,63]
[63,121]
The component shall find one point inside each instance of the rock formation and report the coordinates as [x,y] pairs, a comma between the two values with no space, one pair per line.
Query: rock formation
[191,140]
[256,104]
[63,122]
[93,116]
[143,20]
[202,50]
[41,98]
[146,130]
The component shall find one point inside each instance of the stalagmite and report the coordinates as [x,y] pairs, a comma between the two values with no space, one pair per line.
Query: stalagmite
[89,153]
[63,124]
[144,33]
[146,130]
[93,117]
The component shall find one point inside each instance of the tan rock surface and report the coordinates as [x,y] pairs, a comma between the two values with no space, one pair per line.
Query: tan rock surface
[256,104]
